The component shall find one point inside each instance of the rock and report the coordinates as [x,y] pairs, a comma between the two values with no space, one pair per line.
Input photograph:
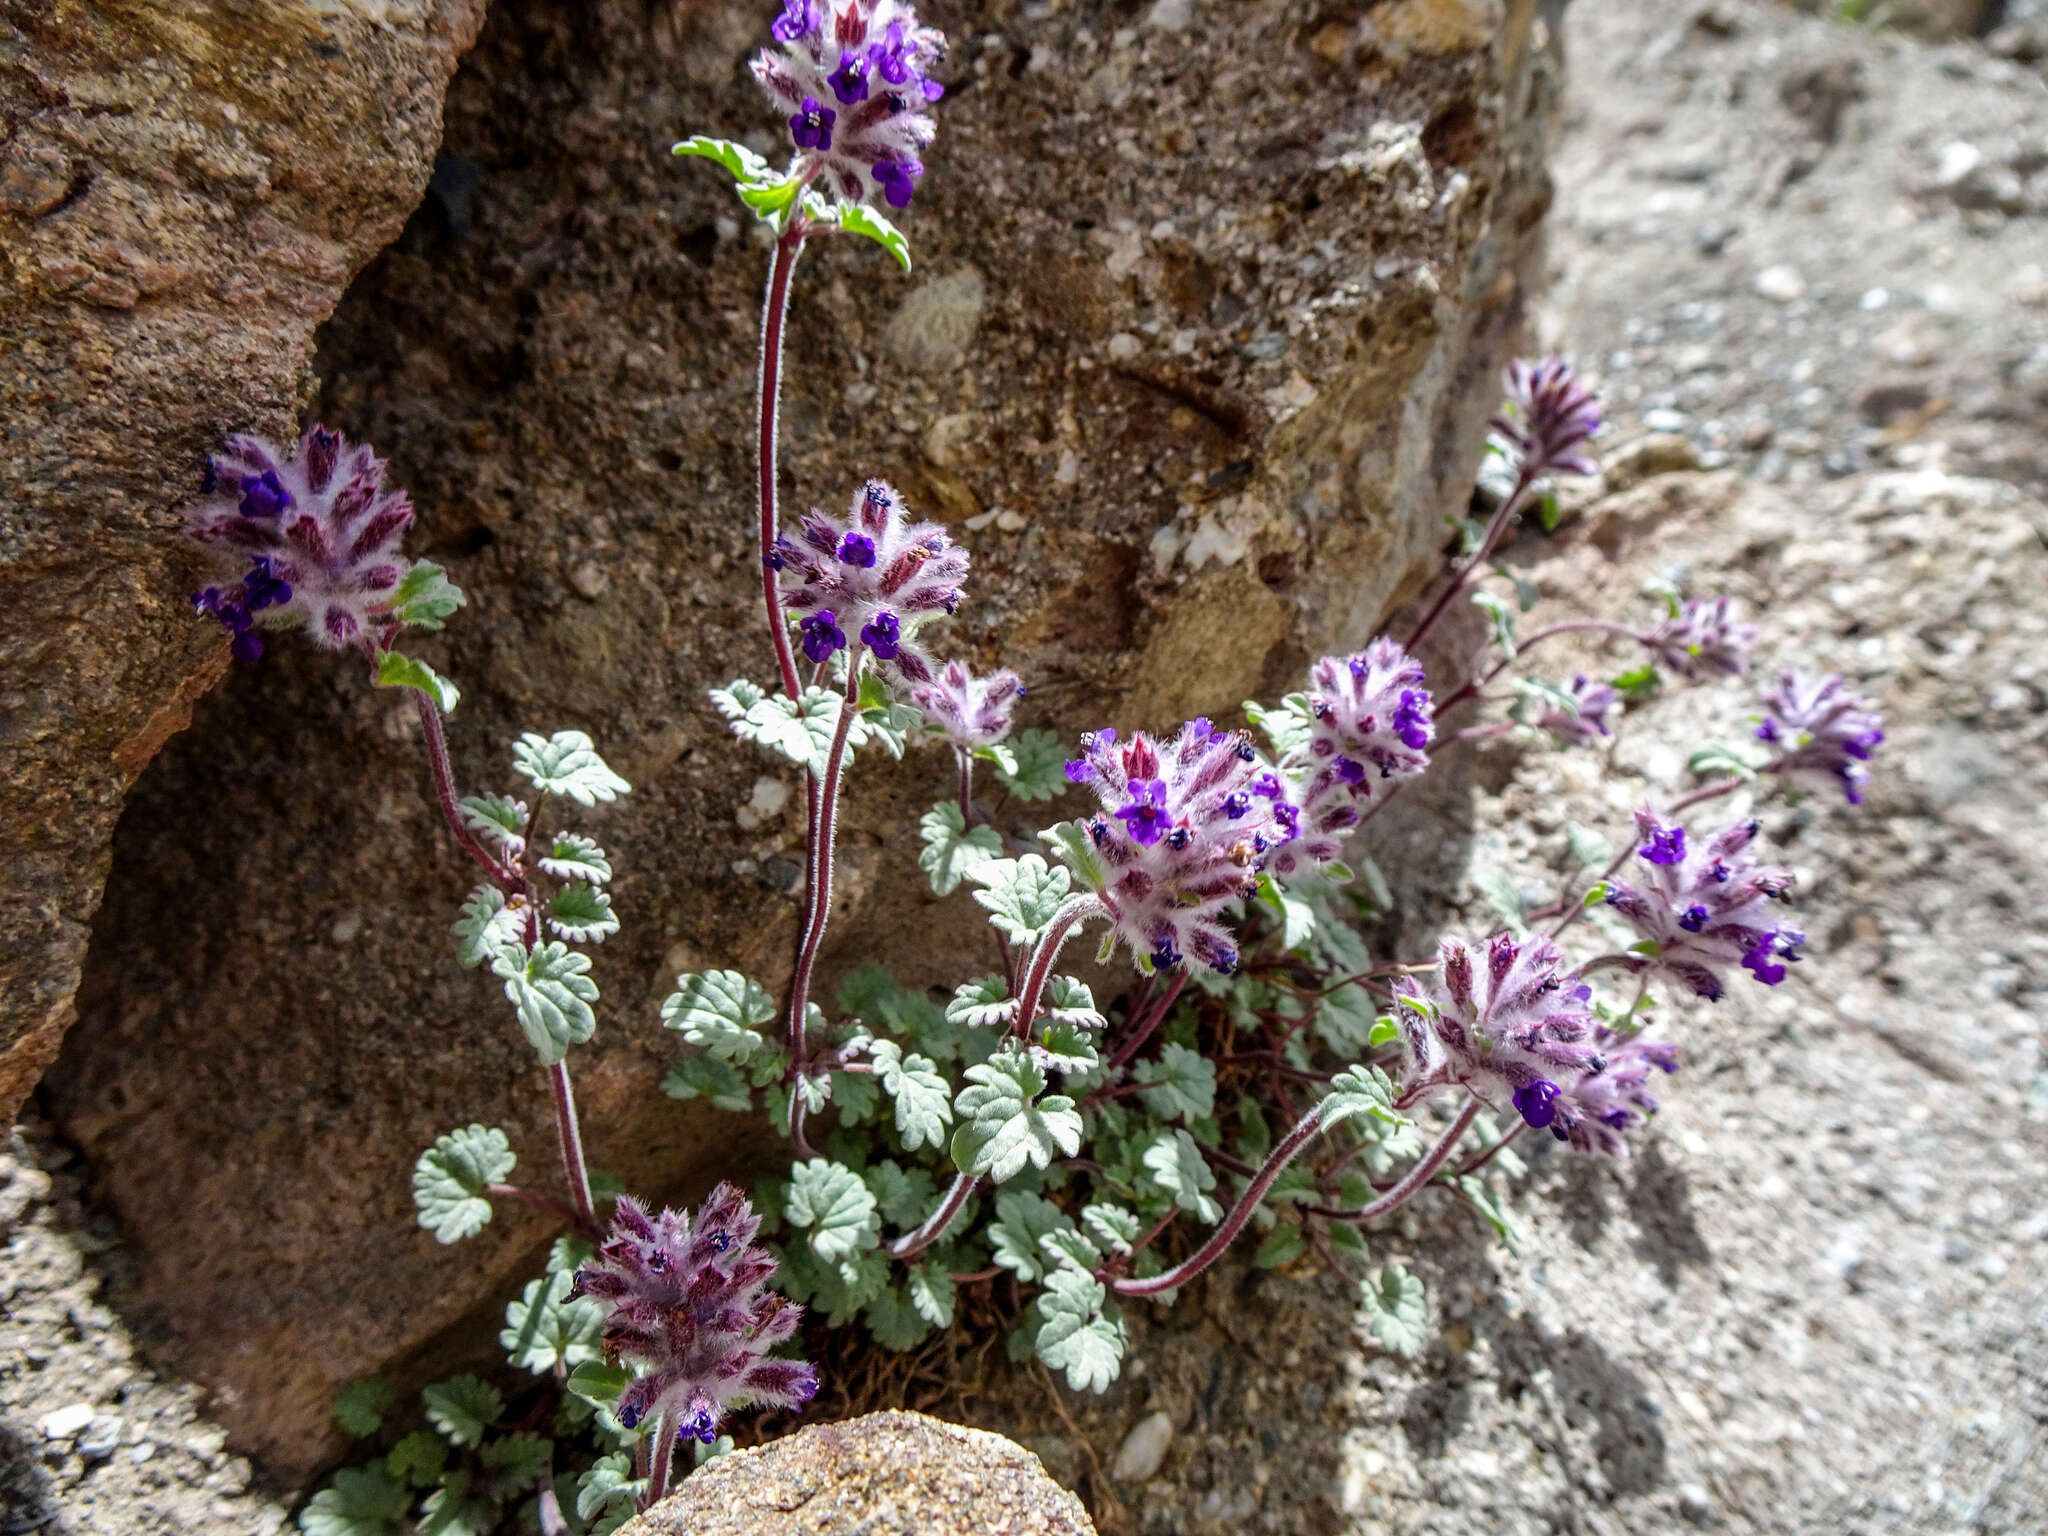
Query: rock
[66,1422]
[562,376]
[1781,284]
[184,193]
[888,1474]
[1643,458]
[1144,1449]
[1695,1504]
[102,1437]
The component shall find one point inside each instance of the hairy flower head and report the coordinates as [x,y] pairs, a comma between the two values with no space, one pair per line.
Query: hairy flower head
[1549,417]
[1824,731]
[1703,636]
[1588,724]
[1182,831]
[969,711]
[1706,908]
[854,78]
[875,575]
[690,1309]
[1600,1106]
[309,537]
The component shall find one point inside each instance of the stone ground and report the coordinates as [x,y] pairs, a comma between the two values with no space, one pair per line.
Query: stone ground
[1808,260]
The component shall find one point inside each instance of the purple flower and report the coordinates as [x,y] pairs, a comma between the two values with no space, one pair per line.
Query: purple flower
[912,573]
[822,635]
[1548,418]
[970,711]
[1587,726]
[1536,1102]
[874,143]
[1179,835]
[692,1313]
[1703,636]
[313,537]
[1370,720]
[1602,1104]
[1706,910]
[1825,731]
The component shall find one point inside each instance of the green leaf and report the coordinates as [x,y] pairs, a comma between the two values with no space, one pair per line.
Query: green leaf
[450,1510]
[894,1320]
[1384,1031]
[903,1196]
[1526,595]
[462,1408]
[1502,613]
[735,699]
[1359,1091]
[1345,1240]
[359,1406]
[1080,1335]
[1176,1165]
[396,671]
[582,914]
[570,1252]
[1637,682]
[924,1106]
[983,1003]
[362,1501]
[742,162]
[932,1292]
[571,857]
[1037,769]
[485,927]
[1068,1245]
[717,1011]
[449,1178]
[1073,848]
[1021,1221]
[425,596]
[1546,697]
[599,1382]
[1112,1226]
[498,819]
[1500,892]
[1396,1310]
[855,1095]
[550,988]
[1549,511]
[1065,1047]
[1490,1211]
[1185,1084]
[830,1201]
[1002,1128]
[609,1484]
[1288,725]
[801,731]
[771,199]
[1022,895]
[1283,1245]
[863,220]
[418,1459]
[543,1328]
[1589,848]
[710,1078]
[516,1461]
[1297,916]
[1068,1000]
[1721,757]
[952,850]
[567,764]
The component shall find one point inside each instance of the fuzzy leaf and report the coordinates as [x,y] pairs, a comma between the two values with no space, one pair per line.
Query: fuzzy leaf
[1359,1091]
[1589,848]
[983,1003]
[362,1501]
[1490,1211]
[567,764]
[1068,1245]
[894,1320]
[462,1408]
[1063,1046]
[1037,766]
[570,1252]
[830,1201]
[742,162]
[1297,916]
[425,596]
[1175,1164]
[543,1328]
[1112,1226]
[1185,1084]
[924,1100]
[485,927]
[451,1510]
[1396,1310]
[1500,892]
[863,220]
[609,1484]
[1072,847]
[599,1382]
[359,1406]
[1004,1124]
[550,988]
[397,671]
[1022,895]
[418,1459]
[498,819]
[1287,725]
[1283,1245]
[1501,612]
[735,699]
[932,1292]
[582,914]
[1067,1000]
[1021,1222]
[571,857]
[717,1011]
[801,731]
[1720,757]
[1539,696]
[770,200]
[1080,1335]
[710,1078]
[516,1461]
[902,1195]
[449,1178]
[953,850]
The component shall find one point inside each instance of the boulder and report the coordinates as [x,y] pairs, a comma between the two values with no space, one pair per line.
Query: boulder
[886,1474]
[1208,310]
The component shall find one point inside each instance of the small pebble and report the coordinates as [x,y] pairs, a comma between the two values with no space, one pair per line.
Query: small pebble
[1781,284]
[66,1422]
[102,1437]
[1694,1503]
[1143,1450]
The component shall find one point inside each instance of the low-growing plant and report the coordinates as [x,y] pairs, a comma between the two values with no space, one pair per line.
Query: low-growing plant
[1262,1073]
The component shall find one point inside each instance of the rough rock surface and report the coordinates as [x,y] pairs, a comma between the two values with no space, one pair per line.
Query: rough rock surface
[185,190]
[1195,375]
[887,1474]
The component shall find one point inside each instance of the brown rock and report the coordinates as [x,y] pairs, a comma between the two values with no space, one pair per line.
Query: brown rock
[888,1474]
[1202,421]
[163,164]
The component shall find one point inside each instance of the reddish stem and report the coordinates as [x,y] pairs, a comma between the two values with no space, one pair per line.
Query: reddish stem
[660,1459]
[1413,1181]
[914,1243]
[570,1134]
[773,312]
[818,881]
[541,1202]
[1463,577]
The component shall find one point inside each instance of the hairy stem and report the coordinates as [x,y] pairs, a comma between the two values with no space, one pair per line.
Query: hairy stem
[505,879]
[1473,685]
[1154,1014]
[1414,1180]
[1462,578]
[540,1202]
[1072,913]
[911,1244]
[660,1459]
[818,877]
[571,1137]
[773,313]
[966,786]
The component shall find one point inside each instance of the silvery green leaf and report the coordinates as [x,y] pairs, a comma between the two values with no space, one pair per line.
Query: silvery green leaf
[1721,757]
[425,597]
[855,1094]
[894,1320]
[1490,1211]
[515,1461]
[863,220]
[800,730]
[396,671]
[932,1292]
[361,1501]
[543,1328]
[1067,1245]
[1359,1091]
[1589,848]
[551,990]
[742,162]
[953,850]
[499,820]
[1345,1019]
[1544,697]
[1037,766]
[1071,846]
[771,200]
[717,1011]
[359,1406]
[1021,1221]
[570,1252]
[1004,1124]
[566,763]
[582,914]
[924,1100]
[1287,725]
[1297,916]
[1113,1226]
[449,1179]
[1345,1240]
[570,857]
[736,698]
[609,1484]
[1065,1047]
[903,1195]
[830,1201]
[1396,1310]
[1283,1245]
[418,1459]
[1022,895]
[1175,1164]
[710,1078]
[851,1284]
[452,1510]
[1080,1334]
[1501,893]
[1501,612]
[1067,1000]
[982,1003]
[462,1408]
[1184,1084]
